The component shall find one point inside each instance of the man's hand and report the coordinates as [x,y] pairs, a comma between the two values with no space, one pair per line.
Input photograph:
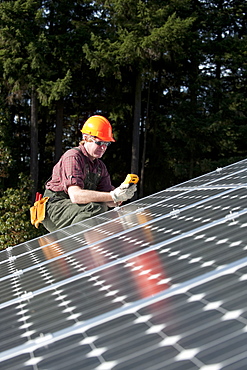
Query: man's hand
[123,192]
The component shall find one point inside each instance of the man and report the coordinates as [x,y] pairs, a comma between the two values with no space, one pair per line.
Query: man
[80,186]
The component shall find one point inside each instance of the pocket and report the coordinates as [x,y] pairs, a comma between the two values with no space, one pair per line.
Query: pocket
[33,214]
[37,211]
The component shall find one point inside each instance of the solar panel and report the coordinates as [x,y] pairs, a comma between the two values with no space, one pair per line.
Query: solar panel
[159,283]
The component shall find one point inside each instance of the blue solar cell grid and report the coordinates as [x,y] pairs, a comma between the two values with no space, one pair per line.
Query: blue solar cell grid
[157,284]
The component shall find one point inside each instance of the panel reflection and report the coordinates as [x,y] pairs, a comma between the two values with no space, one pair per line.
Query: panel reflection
[121,274]
[53,251]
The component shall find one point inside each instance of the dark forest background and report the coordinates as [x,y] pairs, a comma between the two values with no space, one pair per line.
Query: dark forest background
[169,75]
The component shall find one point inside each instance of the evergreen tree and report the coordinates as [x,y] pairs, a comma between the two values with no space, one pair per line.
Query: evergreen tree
[41,48]
[170,76]
[135,35]
[207,123]
[19,37]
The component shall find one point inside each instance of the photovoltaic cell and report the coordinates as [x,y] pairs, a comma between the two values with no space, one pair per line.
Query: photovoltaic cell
[159,283]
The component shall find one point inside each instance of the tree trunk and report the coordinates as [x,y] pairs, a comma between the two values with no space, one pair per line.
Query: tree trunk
[59,130]
[136,125]
[145,129]
[34,166]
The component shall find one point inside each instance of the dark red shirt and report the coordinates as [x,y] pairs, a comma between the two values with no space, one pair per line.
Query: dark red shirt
[71,170]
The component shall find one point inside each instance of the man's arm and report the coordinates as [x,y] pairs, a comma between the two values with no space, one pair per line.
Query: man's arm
[84,196]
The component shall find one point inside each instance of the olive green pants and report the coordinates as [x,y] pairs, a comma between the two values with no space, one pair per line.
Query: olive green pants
[61,212]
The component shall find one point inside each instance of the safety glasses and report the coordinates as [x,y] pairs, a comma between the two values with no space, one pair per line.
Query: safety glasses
[107,143]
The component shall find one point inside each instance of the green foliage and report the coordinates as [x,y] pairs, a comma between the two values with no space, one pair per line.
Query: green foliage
[5,159]
[191,56]
[50,91]
[15,226]
[5,152]
[142,32]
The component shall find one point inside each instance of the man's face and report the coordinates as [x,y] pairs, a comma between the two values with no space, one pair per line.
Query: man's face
[95,147]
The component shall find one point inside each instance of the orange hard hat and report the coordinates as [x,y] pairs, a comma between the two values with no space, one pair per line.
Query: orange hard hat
[98,126]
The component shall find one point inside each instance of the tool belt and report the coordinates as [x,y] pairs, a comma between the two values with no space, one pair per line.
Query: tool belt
[37,211]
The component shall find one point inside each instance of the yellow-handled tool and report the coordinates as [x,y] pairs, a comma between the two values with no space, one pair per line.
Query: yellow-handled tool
[131,179]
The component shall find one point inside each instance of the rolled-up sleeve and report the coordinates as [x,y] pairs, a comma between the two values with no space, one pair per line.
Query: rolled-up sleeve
[72,169]
[72,172]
